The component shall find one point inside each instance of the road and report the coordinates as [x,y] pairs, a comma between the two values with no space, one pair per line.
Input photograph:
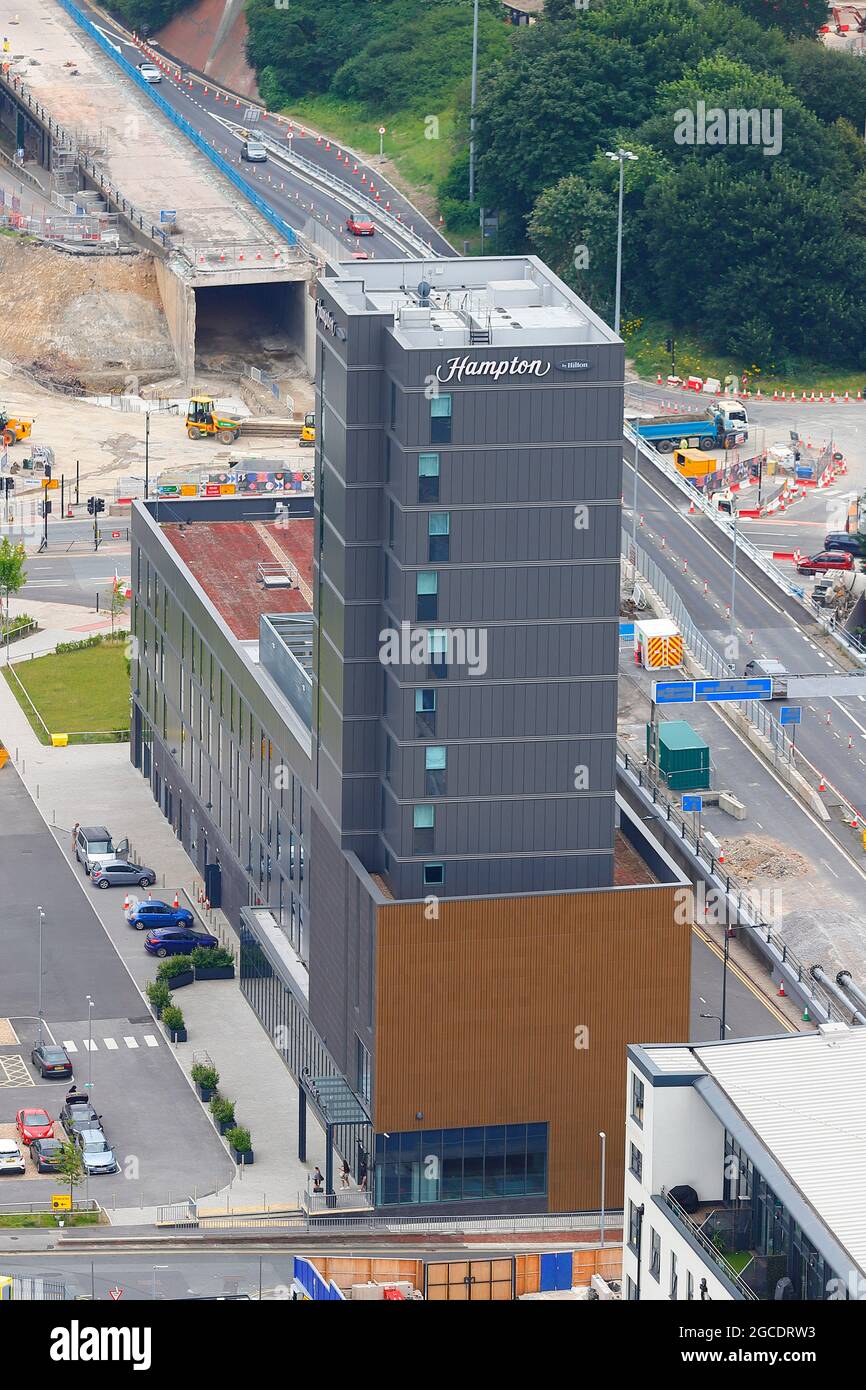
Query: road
[161,1134]
[288,195]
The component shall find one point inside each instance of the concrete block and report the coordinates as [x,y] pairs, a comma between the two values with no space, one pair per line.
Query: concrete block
[732,806]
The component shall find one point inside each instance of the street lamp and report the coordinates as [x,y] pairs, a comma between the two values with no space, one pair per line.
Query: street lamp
[603,1137]
[146,451]
[41,920]
[89,1043]
[620,155]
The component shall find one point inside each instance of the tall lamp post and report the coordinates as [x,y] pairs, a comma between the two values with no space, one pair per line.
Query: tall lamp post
[89,1043]
[603,1137]
[146,451]
[41,920]
[620,155]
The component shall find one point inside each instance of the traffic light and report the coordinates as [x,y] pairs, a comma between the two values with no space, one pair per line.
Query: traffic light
[47,472]
[45,508]
[669,344]
[100,504]
[91,505]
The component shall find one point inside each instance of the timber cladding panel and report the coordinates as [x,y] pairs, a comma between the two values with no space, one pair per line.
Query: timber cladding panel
[476,1013]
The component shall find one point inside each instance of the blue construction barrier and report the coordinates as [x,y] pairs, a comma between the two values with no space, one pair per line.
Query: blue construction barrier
[182,123]
[314,1286]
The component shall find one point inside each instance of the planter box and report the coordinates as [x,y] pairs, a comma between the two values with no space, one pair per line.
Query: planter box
[205,1092]
[225,1125]
[156,1010]
[175,1034]
[186,977]
[215,972]
[243,1158]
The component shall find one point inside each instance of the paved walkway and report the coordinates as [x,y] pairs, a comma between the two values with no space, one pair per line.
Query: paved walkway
[97,784]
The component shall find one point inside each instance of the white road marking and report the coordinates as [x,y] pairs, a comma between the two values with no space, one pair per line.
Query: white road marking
[827,866]
[131,1042]
[89,1045]
[70,1046]
[110,1044]
[151,1040]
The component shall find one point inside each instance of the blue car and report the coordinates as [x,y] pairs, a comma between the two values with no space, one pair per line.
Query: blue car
[150,912]
[177,941]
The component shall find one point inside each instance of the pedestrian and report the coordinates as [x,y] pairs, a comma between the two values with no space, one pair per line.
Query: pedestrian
[362,1175]
[317,1180]
[344,1176]
[74,836]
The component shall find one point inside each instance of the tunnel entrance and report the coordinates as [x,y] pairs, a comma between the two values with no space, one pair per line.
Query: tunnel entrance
[258,324]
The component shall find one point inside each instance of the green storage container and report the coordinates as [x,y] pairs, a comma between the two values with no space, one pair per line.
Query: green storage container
[683,757]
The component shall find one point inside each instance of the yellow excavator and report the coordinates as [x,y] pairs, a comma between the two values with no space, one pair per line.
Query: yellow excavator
[13,430]
[202,420]
[308,431]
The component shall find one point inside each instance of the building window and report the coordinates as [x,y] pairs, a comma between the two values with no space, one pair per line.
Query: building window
[362,1069]
[437,653]
[452,1165]
[425,712]
[428,477]
[435,764]
[637,1095]
[434,875]
[636,1162]
[674,1276]
[440,419]
[690,1285]
[655,1260]
[630,1289]
[438,536]
[633,1227]
[423,826]
[427,594]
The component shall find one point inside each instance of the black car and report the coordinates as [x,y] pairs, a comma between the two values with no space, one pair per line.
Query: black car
[78,1114]
[53,1062]
[46,1154]
[843,540]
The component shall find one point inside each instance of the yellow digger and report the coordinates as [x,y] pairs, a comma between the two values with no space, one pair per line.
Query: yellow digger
[12,430]
[202,419]
[308,431]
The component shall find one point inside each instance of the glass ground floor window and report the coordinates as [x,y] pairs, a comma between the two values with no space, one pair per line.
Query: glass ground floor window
[457,1165]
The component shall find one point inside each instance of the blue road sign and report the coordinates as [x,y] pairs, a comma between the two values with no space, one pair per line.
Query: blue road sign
[693,803]
[754,689]
[791,714]
[168,214]
[626,632]
[674,692]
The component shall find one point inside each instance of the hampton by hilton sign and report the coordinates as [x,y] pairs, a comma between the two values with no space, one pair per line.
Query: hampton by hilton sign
[456,368]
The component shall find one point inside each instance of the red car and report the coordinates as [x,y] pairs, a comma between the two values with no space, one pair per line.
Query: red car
[826,560]
[358,226]
[34,1124]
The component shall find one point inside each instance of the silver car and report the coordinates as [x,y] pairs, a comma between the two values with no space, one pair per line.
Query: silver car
[111,873]
[97,1155]
[150,72]
[11,1157]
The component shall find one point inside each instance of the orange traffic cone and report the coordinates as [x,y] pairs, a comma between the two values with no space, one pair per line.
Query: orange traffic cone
[781,990]
[822,785]
[126,903]
[175,900]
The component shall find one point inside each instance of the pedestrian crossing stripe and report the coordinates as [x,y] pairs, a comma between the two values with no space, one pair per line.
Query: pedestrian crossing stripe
[131,1042]
[110,1044]
[151,1040]
[70,1046]
[90,1046]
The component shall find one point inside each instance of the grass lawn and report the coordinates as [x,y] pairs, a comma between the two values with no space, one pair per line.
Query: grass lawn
[645,347]
[739,1259]
[84,694]
[49,1218]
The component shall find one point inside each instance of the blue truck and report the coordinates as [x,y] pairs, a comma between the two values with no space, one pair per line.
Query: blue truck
[723,425]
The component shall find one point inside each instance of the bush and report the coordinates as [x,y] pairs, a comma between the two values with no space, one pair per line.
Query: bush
[203,1074]
[240,1139]
[96,641]
[158,993]
[173,965]
[222,1110]
[172,1017]
[205,957]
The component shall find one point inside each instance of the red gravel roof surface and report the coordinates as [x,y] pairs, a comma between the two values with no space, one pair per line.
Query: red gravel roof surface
[224,557]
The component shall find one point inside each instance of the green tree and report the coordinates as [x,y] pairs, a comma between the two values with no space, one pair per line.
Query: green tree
[559,10]
[116,603]
[70,1163]
[793,17]
[147,15]
[13,575]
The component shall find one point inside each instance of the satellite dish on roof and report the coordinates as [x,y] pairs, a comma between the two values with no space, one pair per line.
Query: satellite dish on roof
[424,292]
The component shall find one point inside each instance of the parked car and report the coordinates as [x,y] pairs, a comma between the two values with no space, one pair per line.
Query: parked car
[34,1124]
[359,226]
[93,842]
[150,72]
[110,873]
[97,1155]
[45,1153]
[177,941]
[11,1157]
[151,912]
[254,152]
[843,540]
[826,560]
[77,1114]
[53,1062]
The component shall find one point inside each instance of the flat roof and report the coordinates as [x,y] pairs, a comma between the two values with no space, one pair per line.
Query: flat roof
[224,557]
[478,301]
[802,1096]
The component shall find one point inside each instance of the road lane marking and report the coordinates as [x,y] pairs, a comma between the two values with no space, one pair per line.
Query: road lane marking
[110,1044]
[131,1042]
[828,866]
[151,1040]
[89,1045]
[13,1072]
[69,1045]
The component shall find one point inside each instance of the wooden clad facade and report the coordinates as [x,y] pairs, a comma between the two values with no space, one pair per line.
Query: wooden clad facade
[519,1009]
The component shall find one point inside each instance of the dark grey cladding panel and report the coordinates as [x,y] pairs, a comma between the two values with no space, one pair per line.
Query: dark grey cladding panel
[515,653]
[417,367]
[486,477]
[354,686]
[328,941]
[532,768]
[472,709]
[356,455]
[529,415]
[362,803]
[365,397]
[510,534]
[522,825]
[527,593]
[495,877]
[362,747]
